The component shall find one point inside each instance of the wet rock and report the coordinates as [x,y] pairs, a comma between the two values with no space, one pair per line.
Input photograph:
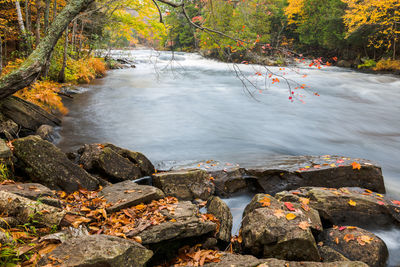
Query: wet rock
[185,184]
[229,181]
[236,260]
[347,206]
[328,254]
[287,173]
[357,244]
[126,194]
[46,132]
[282,263]
[344,64]
[45,163]
[114,163]
[221,211]
[27,115]
[8,128]
[183,221]
[98,250]
[281,231]
[33,191]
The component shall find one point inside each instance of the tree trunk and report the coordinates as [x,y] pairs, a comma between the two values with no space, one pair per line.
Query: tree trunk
[1,55]
[46,16]
[54,9]
[81,39]
[37,32]
[32,66]
[28,15]
[19,18]
[73,35]
[61,75]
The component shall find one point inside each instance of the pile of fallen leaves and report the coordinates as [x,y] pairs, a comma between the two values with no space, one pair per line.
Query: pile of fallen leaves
[195,256]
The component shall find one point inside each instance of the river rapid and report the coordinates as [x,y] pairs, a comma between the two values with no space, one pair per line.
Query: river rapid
[192,108]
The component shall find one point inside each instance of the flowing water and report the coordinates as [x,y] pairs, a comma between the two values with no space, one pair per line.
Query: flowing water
[191,108]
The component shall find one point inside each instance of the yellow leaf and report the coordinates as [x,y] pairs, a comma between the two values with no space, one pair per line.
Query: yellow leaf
[290,216]
[352,203]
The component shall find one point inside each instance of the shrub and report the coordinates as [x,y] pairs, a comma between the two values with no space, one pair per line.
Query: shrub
[84,70]
[388,65]
[367,64]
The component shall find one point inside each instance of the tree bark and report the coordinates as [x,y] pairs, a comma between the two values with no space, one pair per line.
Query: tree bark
[28,15]
[46,15]
[38,14]
[1,55]
[61,75]
[81,39]
[54,9]
[32,66]
[19,18]
[73,35]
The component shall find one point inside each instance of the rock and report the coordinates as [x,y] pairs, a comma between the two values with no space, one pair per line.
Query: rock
[8,222]
[328,254]
[33,191]
[282,263]
[126,194]
[6,162]
[358,245]
[268,232]
[66,234]
[98,250]
[347,206]
[29,116]
[221,211]
[8,128]
[291,172]
[344,64]
[185,184]
[114,163]
[29,211]
[182,222]
[5,151]
[5,238]
[45,163]
[46,132]
[236,260]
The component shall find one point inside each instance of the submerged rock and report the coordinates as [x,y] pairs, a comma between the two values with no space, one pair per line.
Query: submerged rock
[113,163]
[126,194]
[357,244]
[280,230]
[45,163]
[221,211]
[185,184]
[98,250]
[347,206]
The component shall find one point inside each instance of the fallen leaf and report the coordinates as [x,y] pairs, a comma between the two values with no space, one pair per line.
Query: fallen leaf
[381,203]
[304,200]
[265,201]
[337,240]
[304,225]
[396,202]
[348,237]
[341,228]
[290,216]
[352,203]
[289,206]
[364,239]
[356,165]
[138,239]
[279,213]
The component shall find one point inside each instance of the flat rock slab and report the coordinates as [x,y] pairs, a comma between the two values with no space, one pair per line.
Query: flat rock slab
[45,163]
[282,230]
[357,244]
[185,184]
[98,250]
[282,263]
[183,221]
[33,191]
[236,260]
[126,194]
[351,206]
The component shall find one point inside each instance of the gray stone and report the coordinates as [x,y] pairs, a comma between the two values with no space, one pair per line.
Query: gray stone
[334,207]
[328,254]
[185,184]
[5,151]
[221,211]
[45,163]
[282,263]
[126,194]
[98,250]
[357,244]
[236,260]
[46,132]
[33,191]
[183,221]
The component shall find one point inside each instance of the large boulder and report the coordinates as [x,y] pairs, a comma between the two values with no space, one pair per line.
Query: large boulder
[182,221]
[45,163]
[98,250]
[357,244]
[128,193]
[33,191]
[27,115]
[185,184]
[347,206]
[280,230]
[282,263]
[328,254]
[113,163]
[221,211]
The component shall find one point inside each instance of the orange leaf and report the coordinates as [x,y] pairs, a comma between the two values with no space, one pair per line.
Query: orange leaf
[356,165]
[364,239]
[265,201]
[289,206]
[304,225]
[348,237]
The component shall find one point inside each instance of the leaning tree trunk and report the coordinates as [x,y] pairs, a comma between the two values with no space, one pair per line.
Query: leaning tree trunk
[32,66]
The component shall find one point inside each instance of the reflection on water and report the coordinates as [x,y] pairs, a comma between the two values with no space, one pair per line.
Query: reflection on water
[196,109]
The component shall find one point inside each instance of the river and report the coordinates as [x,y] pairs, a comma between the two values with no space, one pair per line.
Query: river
[192,108]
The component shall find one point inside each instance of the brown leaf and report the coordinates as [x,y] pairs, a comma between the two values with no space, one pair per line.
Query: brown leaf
[304,225]
[348,237]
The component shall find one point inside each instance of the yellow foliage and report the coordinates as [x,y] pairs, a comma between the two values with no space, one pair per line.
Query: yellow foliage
[84,70]
[388,64]
[12,65]
[294,8]
[45,95]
